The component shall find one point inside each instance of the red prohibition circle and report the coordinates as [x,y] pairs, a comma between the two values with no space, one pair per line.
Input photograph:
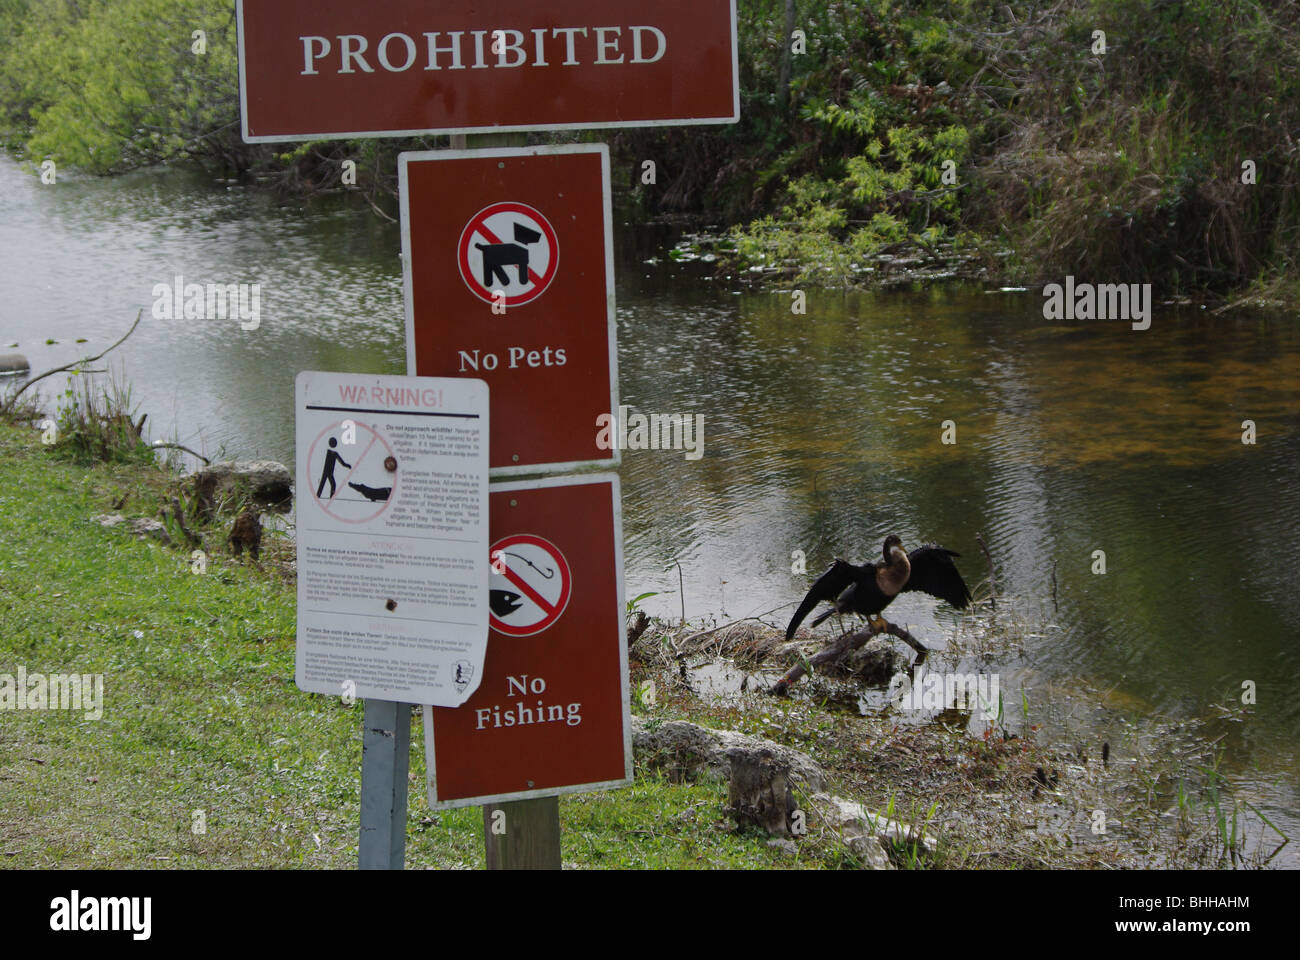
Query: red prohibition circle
[311,453]
[475,226]
[554,610]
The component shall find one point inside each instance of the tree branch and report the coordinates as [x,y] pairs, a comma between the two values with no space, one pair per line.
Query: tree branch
[837,648]
[9,403]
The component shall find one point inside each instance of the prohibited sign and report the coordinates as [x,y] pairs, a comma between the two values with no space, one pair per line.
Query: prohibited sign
[529,586]
[508,248]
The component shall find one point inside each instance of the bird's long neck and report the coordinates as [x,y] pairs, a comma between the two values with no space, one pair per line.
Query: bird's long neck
[892,577]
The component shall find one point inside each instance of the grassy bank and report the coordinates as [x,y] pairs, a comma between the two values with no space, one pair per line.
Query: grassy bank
[200,713]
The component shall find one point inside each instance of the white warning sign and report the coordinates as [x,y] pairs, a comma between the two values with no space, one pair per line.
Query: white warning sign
[508,253]
[530,585]
[391,513]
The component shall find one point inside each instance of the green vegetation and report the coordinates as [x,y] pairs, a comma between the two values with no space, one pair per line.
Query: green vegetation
[1125,164]
[206,754]
[110,85]
[201,712]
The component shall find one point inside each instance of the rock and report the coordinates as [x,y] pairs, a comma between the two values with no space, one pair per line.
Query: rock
[141,527]
[876,662]
[13,363]
[759,793]
[854,820]
[869,852]
[267,482]
[691,750]
[785,846]
[760,774]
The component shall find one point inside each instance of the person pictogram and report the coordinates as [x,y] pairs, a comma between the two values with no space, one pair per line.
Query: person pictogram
[332,459]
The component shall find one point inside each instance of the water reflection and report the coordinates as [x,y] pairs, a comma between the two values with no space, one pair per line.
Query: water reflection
[822,431]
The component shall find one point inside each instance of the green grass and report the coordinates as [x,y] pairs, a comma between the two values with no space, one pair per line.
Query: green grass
[201,713]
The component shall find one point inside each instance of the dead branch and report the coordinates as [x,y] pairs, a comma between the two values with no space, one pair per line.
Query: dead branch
[9,403]
[757,618]
[838,648]
[160,445]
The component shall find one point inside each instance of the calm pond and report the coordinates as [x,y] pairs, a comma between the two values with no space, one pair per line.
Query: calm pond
[822,435]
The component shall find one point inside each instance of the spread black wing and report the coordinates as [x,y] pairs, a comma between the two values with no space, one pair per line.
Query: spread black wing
[829,585]
[933,572]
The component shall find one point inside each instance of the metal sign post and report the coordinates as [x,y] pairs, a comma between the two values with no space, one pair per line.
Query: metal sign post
[385,761]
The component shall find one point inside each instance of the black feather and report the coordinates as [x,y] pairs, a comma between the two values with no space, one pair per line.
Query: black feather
[933,572]
[839,576]
[854,589]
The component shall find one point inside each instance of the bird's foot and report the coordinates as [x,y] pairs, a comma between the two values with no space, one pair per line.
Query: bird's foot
[878,624]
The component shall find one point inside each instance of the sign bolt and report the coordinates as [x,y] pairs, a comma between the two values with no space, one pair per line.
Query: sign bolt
[391,605]
[390,464]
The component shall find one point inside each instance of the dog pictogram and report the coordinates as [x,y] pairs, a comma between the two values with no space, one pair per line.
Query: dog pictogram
[498,256]
[508,253]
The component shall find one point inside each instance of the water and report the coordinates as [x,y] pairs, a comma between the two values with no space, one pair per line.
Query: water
[822,432]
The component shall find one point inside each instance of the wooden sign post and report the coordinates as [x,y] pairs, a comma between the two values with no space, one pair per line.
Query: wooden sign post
[534,844]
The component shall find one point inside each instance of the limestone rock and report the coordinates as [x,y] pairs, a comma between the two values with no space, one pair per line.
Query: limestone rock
[852,819]
[688,750]
[759,791]
[268,482]
[141,527]
[761,775]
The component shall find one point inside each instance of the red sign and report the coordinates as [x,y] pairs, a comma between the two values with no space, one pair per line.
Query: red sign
[489,295]
[317,69]
[551,713]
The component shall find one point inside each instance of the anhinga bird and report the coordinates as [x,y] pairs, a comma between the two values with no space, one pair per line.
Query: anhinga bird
[870,588]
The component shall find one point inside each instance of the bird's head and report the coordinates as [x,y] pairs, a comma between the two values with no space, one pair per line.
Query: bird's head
[892,543]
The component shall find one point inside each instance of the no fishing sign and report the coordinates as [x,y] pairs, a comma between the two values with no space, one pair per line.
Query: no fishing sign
[551,715]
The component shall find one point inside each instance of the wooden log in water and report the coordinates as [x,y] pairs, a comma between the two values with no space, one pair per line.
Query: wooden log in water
[843,645]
